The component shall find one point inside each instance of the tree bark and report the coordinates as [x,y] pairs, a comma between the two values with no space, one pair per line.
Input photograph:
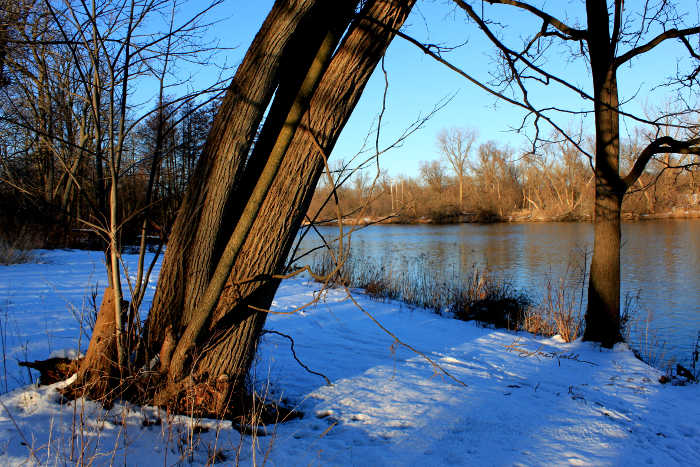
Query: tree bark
[603,313]
[190,256]
[98,375]
[196,318]
[235,328]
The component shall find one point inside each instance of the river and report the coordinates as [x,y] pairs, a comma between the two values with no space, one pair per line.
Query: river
[660,266]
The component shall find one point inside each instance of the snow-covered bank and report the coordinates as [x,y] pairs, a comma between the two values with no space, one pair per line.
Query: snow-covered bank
[528,400]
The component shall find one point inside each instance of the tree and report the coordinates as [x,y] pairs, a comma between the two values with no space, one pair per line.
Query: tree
[611,38]
[433,173]
[455,145]
[497,178]
[248,195]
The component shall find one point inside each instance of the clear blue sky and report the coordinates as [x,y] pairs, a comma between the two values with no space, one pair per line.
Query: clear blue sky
[417,82]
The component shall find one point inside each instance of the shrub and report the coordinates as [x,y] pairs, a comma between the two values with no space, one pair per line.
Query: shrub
[481,297]
[558,313]
[16,252]
[488,300]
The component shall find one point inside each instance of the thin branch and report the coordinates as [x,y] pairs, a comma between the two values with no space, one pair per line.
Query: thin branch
[294,354]
[571,33]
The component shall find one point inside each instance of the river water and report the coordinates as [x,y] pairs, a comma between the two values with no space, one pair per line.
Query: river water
[660,266]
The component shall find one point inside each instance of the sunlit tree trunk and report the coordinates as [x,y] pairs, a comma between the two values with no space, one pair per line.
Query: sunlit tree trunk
[191,253]
[236,324]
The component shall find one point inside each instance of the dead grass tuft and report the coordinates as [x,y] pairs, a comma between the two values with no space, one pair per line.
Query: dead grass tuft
[18,251]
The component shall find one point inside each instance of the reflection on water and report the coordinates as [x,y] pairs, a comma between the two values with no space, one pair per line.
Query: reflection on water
[660,261]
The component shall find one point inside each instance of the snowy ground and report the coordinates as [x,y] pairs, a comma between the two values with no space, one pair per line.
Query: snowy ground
[557,404]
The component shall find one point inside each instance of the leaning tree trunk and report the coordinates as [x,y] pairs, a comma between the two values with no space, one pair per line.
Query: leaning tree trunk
[190,256]
[236,326]
[603,313]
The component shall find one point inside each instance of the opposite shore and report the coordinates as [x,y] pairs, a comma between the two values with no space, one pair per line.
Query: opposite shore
[521,216]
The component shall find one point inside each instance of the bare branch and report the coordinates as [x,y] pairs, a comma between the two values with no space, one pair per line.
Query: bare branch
[569,33]
[665,144]
[669,34]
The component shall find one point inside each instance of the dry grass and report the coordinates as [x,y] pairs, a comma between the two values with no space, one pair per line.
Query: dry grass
[18,251]
[639,332]
[85,434]
[559,312]
[481,296]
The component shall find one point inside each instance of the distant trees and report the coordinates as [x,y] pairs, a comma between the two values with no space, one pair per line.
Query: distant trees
[608,37]
[455,145]
[70,129]
[434,176]
[556,183]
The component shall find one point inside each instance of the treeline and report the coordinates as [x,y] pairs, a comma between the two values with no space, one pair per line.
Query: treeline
[51,193]
[498,183]
[73,134]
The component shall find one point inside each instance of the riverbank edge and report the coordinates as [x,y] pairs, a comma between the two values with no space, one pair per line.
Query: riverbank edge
[493,218]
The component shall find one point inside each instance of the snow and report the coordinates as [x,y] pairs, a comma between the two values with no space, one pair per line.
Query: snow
[509,399]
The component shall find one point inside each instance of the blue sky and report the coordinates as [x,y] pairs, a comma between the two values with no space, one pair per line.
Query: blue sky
[417,83]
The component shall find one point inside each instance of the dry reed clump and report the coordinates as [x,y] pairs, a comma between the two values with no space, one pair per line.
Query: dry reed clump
[482,296]
[559,312]
[413,285]
[638,330]
[18,251]
[485,298]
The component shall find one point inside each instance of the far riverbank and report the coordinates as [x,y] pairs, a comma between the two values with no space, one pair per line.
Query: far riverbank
[517,217]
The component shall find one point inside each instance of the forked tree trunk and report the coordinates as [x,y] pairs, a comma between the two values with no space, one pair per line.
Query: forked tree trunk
[292,103]
[190,256]
[235,329]
[223,356]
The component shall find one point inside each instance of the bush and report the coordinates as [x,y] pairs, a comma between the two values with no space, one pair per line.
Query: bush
[488,300]
[448,214]
[558,313]
[17,252]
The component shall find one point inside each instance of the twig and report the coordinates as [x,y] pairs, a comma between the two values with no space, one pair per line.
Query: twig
[436,366]
[523,352]
[294,354]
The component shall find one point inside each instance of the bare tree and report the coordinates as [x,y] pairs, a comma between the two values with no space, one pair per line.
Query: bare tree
[455,145]
[248,195]
[433,173]
[612,36]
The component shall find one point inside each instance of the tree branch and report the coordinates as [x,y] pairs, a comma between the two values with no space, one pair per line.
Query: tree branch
[670,34]
[662,145]
[570,33]
[617,24]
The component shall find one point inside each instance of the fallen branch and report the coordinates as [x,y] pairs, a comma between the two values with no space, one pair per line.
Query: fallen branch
[523,352]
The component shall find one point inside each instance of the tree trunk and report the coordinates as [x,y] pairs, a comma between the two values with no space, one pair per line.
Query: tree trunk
[190,255]
[603,313]
[98,375]
[219,362]
[236,326]
[200,218]
[273,152]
